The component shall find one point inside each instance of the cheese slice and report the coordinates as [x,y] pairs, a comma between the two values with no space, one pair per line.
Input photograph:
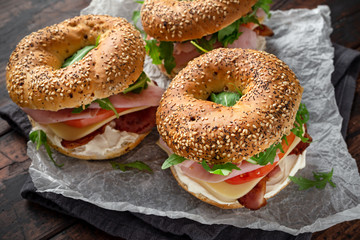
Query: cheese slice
[70,133]
[228,192]
[225,192]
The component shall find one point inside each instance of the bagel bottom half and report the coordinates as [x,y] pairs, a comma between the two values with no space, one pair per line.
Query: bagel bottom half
[110,144]
[288,166]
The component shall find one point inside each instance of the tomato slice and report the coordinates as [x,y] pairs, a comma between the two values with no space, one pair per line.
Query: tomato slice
[247,177]
[290,139]
[101,115]
[260,172]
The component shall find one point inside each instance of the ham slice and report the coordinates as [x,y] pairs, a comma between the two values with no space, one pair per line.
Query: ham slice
[148,97]
[246,40]
[46,117]
[184,52]
[196,171]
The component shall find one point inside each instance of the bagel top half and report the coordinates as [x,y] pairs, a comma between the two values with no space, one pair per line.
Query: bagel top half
[198,129]
[35,79]
[173,20]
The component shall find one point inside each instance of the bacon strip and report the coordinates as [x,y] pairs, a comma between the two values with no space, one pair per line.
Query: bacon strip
[263,30]
[136,122]
[300,148]
[254,199]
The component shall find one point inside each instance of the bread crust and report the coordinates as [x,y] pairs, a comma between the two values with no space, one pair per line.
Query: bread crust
[173,20]
[198,129]
[203,197]
[35,79]
[215,203]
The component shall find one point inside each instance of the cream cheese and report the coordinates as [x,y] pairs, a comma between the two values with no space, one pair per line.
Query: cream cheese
[101,145]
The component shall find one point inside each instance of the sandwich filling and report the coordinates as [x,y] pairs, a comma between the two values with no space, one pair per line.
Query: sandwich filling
[97,131]
[251,192]
[247,32]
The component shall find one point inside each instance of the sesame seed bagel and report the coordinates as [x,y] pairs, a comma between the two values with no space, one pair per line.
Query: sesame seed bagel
[35,79]
[173,20]
[198,129]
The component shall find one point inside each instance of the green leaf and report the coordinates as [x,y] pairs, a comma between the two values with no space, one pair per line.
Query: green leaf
[198,46]
[77,56]
[139,85]
[80,109]
[153,51]
[225,98]
[161,52]
[80,54]
[268,156]
[172,160]
[321,179]
[166,53]
[265,5]
[107,105]
[204,44]
[302,117]
[230,33]
[39,137]
[220,169]
[135,18]
[97,41]
[126,166]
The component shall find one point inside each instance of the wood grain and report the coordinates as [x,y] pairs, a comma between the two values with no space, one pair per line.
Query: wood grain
[20,219]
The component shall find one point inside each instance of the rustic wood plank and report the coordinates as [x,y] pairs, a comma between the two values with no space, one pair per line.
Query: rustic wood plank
[20,219]
[4,127]
[82,230]
[13,146]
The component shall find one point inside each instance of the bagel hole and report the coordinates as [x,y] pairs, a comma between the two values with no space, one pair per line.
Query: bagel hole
[226,98]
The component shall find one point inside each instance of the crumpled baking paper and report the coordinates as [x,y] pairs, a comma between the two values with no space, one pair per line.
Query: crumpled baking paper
[301,40]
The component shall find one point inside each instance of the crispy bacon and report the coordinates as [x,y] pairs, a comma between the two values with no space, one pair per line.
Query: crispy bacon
[136,122]
[254,199]
[300,148]
[83,140]
[263,30]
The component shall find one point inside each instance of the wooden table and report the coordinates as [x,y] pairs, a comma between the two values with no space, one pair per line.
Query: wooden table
[20,219]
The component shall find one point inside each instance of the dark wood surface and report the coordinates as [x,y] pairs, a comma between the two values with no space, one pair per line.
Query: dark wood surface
[20,219]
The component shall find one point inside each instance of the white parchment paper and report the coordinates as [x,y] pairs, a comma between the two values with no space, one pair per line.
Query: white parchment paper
[301,40]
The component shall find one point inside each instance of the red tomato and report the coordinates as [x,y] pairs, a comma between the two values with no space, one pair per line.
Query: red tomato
[290,138]
[260,172]
[101,115]
[249,25]
[247,177]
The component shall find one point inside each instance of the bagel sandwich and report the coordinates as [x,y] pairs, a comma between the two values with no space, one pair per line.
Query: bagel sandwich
[178,31]
[234,127]
[82,86]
